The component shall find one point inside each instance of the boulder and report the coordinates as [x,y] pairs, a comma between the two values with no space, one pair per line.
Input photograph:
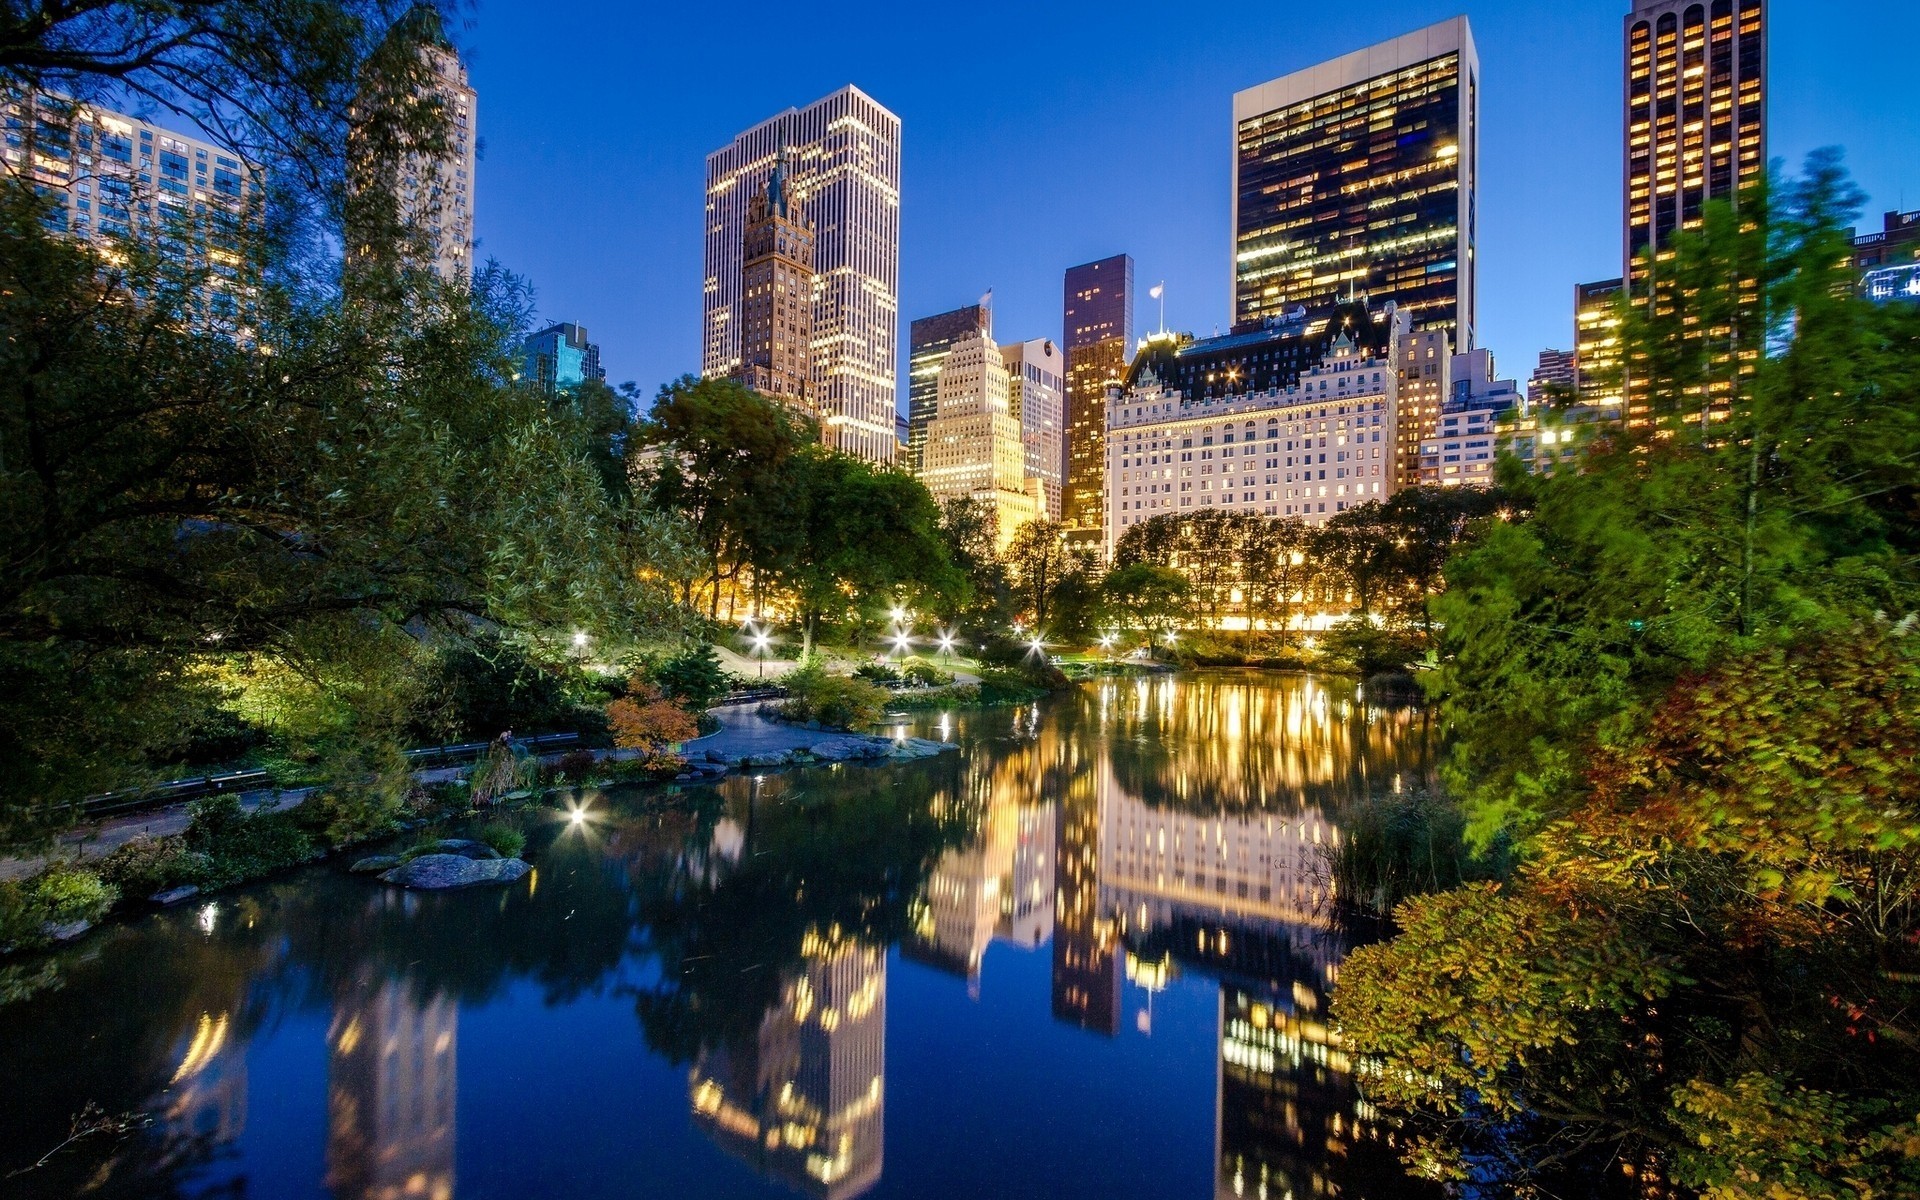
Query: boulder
[173,896]
[65,933]
[464,848]
[443,872]
[375,865]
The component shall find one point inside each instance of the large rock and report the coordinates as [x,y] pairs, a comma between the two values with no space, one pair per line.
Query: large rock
[378,864]
[464,848]
[173,896]
[850,749]
[444,872]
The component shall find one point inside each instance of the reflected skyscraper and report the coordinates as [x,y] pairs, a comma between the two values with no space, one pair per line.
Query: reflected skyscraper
[391,1092]
[805,1100]
[206,1100]
[1086,959]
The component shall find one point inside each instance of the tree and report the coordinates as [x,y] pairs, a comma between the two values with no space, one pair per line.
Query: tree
[1151,601]
[969,531]
[1356,547]
[1039,561]
[1277,568]
[1429,525]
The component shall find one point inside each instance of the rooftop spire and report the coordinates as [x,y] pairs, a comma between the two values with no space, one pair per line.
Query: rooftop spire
[777,182]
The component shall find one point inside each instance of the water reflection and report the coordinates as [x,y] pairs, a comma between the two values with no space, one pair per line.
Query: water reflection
[1134,839]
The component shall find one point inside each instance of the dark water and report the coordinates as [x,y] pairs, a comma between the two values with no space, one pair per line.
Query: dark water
[1089,957]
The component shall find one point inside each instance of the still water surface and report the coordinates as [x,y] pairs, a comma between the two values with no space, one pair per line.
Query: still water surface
[1090,957]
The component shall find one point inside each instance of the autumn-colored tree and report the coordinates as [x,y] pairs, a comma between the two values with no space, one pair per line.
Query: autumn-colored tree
[647,721]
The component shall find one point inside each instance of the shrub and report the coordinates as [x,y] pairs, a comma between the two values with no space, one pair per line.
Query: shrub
[693,679]
[879,673]
[836,701]
[240,846]
[1359,645]
[148,865]
[575,766]
[366,785]
[59,895]
[1002,686]
[490,683]
[646,720]
[507,841]
[501,772]
[921,673]
[1395,847]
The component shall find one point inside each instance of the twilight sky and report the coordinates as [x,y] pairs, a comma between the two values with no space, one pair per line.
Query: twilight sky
[1041,135]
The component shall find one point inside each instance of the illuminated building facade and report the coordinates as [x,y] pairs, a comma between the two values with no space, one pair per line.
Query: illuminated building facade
[1359,177]
[111,177]
[805,1102]
[974,449]
[560,357]
[1097,320]
[776,295]
[1557,374]
[1461,452]
[1036,382]
[844,154]
[1889,261]
[929,340]
[391,1091]
[1596,342]
[1297,419]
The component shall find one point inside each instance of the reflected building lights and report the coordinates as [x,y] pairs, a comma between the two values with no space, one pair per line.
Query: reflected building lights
[391,1092]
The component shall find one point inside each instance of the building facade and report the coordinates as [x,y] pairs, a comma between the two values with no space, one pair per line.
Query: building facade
[1297,420]
[1359,177]
[1097,327]
[974,449]
[844,155]
[1462,450]
[776,295]
[111,177]
[1596,343]
[1889,261]
[929,339]
[1036,395]
[560,357]
[1556,374]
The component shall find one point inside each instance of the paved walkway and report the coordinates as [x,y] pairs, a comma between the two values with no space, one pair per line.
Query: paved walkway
[744,733]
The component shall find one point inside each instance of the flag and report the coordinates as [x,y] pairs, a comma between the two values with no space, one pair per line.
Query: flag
[1159,290]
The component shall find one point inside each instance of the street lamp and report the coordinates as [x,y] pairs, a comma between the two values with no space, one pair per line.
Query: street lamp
[946,644]
[761,642]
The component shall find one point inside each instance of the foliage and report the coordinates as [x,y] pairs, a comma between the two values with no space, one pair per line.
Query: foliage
[366,784]
[480,686]
[835,701]
[644,719]
[882,673]
[693,679]
[969,532]
[1358,644]
[1147,600]
[61,894]
[576,767]
[1001,687]
[502,771]
[241,846]
[147,866]
[1038,559]
[1392,848]
[921,673]
[505,840]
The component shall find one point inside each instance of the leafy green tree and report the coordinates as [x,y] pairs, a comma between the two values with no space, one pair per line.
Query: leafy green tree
[1038,560]
[1148,600]
[1356,548]
[969,530]
[1277,569]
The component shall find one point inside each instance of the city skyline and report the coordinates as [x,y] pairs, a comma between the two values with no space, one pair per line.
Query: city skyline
[1550,208]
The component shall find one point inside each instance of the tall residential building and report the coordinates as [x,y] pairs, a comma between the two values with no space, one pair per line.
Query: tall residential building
[974,450]
[1036,383]
[1696,115]
[392,1084]
[1557,373]
[432,194]
[1596,342]
[1298,419]
[1461,452]
[1098,330]
[110,176]
[928,341]
[844,155]
[1359,178]
[776,295]
[560,357]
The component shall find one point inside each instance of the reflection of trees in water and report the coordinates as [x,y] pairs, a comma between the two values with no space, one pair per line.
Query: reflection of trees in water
[839,855]
[1242,739]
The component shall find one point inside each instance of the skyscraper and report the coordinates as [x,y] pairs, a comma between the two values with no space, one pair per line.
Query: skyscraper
[1358,178]
[560,357]
[1036,379]
[1557,373]
[1596,341]
[929,339]
[776,340]
[1098,335]
[973,449]
[1696,114]
[432,194]
[844,154]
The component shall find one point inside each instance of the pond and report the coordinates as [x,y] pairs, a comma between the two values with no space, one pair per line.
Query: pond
[1089,956]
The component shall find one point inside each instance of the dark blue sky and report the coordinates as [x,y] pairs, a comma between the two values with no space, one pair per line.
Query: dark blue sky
[1040,135]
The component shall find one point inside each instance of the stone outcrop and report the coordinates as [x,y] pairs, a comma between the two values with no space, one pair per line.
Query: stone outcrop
[445,872]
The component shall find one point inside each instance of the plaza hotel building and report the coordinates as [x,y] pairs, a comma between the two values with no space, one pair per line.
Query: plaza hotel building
[1297,418]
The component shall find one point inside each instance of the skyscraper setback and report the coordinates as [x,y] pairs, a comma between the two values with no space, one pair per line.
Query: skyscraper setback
[844,155]
[1098,326]
[1358,178]
[929,341]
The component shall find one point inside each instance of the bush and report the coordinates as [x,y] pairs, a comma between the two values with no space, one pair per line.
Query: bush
[145,866]
[489,684]
[836,701]
[694,679]
[647,721]
[241,846]
[1360,646]
[507,841]
[501,772]
[575,766]
[366,786]
[921,673]
[1002,686]
[879,673]
[1395,847]
[59,895]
